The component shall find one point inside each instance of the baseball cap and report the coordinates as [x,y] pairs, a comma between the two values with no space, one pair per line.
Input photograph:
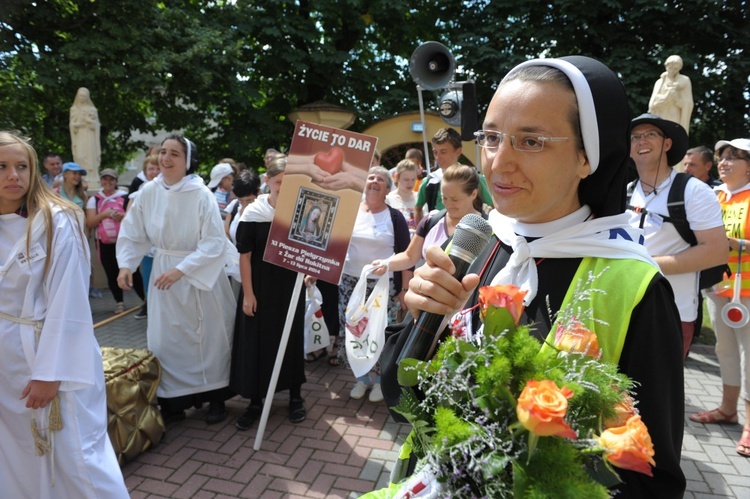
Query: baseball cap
[109,172]
[73,167]
[218,172]
[742,144]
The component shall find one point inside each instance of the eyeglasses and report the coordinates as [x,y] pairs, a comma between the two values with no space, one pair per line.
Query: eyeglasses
[526,142]
[650,135]
[732,159]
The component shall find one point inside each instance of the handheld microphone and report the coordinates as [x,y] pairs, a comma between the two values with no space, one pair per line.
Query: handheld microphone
[470,238]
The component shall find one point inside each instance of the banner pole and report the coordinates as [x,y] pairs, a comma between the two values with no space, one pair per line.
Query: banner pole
[279,361]
[424,129]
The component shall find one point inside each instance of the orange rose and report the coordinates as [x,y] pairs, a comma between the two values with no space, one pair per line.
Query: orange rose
[575,337]
[629,447]
[625,410]
[542,407]
[502,296]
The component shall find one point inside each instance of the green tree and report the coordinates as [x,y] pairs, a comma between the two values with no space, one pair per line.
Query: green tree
[225,73]
[633,37]
[228,73]
[49,50]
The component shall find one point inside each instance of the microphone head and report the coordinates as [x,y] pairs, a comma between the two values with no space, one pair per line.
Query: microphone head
[471,236]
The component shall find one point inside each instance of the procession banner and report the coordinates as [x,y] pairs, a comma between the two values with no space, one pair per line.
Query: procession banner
[319,200]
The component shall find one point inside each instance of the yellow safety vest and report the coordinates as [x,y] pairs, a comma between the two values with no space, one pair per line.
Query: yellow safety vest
[735,214]
[624,283]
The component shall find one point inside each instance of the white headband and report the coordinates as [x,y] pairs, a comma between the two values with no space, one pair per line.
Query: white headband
[187,165]
[586,108]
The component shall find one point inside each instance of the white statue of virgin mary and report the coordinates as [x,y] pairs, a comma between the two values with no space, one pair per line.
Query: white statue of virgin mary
[84,135]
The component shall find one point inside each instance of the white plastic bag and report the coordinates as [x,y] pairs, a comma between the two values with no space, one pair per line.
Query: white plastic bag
[366,322]
[316,331]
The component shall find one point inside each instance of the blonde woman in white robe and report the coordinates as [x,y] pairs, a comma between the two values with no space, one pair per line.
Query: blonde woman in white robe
[51,368]
[190,302]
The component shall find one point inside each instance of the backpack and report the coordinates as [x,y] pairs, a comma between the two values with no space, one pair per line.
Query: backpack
[678,218]
[431,192]
[108,229]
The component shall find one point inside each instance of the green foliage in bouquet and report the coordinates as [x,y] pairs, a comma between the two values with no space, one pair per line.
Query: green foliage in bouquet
[498,417]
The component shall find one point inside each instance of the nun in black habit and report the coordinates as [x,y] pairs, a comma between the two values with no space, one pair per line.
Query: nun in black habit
[555,151]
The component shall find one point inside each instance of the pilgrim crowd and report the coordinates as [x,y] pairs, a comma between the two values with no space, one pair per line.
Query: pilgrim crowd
[557,147]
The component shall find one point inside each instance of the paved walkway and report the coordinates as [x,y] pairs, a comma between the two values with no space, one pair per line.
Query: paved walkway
[345,447]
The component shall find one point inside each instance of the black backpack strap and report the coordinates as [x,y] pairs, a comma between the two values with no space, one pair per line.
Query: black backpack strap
[434,219]
[431,193]
[678,218]
[676,206]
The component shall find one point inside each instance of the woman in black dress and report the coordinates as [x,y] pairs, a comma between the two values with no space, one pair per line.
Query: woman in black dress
[555,151]
[261,313]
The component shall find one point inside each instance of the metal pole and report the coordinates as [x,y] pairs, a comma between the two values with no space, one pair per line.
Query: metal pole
[424,130]
[279,361]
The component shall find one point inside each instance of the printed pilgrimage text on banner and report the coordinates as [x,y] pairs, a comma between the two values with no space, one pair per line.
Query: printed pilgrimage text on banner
[319,200]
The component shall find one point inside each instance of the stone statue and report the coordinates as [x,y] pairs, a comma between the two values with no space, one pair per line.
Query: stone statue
[84,136]
[672,98]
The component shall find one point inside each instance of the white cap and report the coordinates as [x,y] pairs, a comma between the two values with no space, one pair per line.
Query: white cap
[742,144]
[218,172]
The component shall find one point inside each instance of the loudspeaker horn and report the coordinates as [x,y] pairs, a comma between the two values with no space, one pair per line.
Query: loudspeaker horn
[450,108]
[432,65]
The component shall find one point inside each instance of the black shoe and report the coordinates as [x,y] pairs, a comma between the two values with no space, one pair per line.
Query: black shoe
[143,312]
[245,421]
[297,412]
[216,413]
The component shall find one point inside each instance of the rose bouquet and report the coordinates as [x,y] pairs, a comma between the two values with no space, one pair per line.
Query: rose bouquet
[496,416]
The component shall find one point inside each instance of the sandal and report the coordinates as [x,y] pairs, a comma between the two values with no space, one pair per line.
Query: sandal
[743,447]
[119,307]
[333,359]
[714,416]
[314,357]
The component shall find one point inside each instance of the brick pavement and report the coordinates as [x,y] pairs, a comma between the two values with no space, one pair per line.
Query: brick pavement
[346,447]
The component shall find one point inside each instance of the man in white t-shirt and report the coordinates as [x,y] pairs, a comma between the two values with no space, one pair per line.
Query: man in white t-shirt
[655,146]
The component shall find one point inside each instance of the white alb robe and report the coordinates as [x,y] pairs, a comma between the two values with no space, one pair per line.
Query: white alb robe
[85,466]
[190,325]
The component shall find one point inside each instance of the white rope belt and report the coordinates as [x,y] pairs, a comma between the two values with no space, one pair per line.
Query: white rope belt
[43,444]
[162,251]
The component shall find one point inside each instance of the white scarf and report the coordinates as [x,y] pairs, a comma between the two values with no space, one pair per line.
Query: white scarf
[259,210]
[117,193]
[188,183]
[724,188]
[573,236]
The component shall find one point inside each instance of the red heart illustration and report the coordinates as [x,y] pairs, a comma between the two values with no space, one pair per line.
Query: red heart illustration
[330,161]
